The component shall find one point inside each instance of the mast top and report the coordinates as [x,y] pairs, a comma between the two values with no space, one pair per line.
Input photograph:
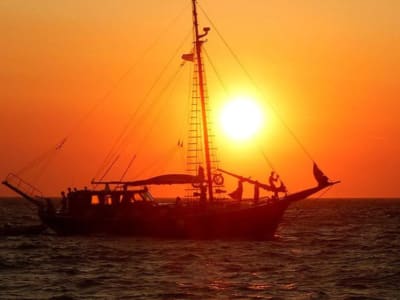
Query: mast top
[202,91]
[196,25]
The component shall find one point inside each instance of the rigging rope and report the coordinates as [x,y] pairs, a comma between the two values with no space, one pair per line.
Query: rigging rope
[44,167]
[161,109]
[224,87]
[122,137]
[42,161]
[234,55]
[157,163]
[35,161]
[268,161]
[38,160]
[324,192]
[185,123]
[109,168]
[128,167]
[128,71]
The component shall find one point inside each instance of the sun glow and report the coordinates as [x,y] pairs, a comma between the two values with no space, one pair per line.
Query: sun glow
[241,118]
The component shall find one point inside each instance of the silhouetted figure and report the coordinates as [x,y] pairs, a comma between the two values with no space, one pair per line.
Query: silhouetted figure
[238,193]
[256,192]
[71,196]
[273,178]
[63,202]
[125,196]
[69,193]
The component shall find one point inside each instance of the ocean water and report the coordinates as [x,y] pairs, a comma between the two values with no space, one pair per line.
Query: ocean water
[324,249]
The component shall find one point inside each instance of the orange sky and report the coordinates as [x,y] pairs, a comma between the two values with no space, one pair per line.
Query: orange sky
[331,68]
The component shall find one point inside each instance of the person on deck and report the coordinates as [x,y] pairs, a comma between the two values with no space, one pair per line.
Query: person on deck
[238,193]
[273,178]
[69,194]
[125,196]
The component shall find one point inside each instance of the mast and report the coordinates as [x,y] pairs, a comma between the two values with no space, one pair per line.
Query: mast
[198,43]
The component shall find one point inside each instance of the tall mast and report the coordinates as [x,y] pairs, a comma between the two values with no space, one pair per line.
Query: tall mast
[198,43]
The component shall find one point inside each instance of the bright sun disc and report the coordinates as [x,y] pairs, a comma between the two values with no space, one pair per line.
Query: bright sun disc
[241,118]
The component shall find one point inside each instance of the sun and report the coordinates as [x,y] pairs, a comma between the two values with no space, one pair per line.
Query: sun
[241,118]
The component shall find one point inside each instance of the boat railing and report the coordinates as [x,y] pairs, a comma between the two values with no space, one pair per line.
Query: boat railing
[26,188]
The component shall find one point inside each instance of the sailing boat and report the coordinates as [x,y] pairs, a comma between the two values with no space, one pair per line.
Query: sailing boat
[129,208]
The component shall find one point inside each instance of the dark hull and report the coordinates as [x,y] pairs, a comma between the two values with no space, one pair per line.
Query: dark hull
[209,221]
[193,222]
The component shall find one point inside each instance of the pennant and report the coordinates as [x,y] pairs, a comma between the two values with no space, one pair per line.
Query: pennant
[188,57]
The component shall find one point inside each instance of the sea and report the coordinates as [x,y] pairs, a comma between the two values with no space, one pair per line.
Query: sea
[323,249]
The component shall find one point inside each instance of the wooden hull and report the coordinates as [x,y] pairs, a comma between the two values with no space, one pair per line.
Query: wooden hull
[211,220]
[193,222]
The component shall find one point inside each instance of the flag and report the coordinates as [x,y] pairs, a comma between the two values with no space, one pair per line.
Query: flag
[188,57]
[321,178]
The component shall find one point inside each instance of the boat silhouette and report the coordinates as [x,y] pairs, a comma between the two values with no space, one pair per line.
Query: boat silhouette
[122,207]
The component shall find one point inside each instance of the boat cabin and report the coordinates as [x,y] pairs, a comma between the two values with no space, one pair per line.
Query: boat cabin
[80,200]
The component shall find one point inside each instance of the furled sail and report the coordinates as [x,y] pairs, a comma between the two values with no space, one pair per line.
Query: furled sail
[159,180]
[168,179]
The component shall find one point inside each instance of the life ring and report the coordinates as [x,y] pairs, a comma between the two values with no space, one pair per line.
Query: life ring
[218,179]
